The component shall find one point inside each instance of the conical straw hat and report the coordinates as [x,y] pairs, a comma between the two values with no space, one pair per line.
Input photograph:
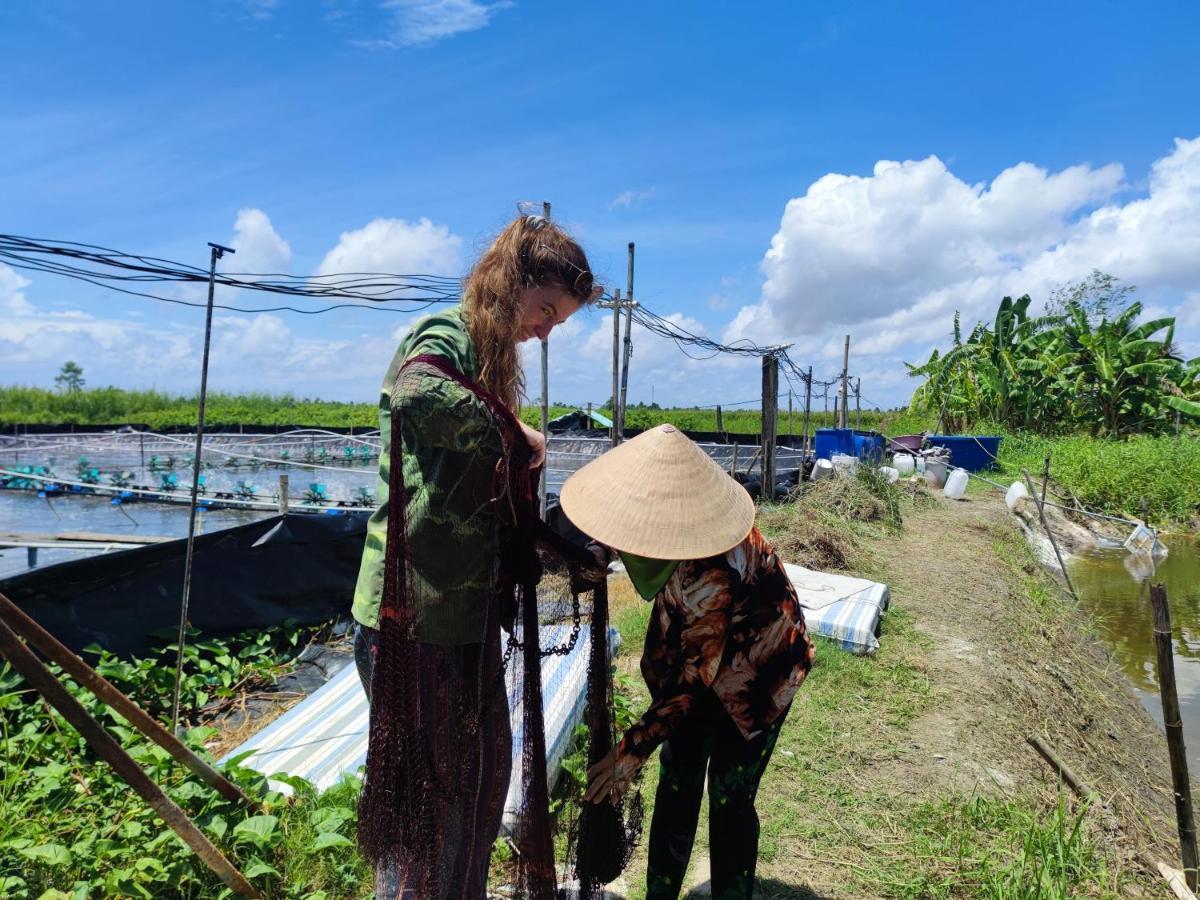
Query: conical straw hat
[659,495]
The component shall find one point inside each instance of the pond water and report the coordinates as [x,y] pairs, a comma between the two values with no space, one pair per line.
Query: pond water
[1114,587]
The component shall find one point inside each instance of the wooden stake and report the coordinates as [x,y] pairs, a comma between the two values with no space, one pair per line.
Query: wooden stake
[720,421]
[26,627]
[283,493]
[1173,724]
[31,669]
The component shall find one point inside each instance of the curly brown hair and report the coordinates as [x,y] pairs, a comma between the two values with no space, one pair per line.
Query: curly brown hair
[531,251]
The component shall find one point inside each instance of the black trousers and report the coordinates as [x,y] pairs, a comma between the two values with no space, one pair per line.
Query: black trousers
[708,741]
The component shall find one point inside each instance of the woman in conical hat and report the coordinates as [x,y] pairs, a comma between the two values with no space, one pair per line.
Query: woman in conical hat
[725,651]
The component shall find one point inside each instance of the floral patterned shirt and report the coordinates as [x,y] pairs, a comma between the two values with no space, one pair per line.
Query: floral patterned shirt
[730,624]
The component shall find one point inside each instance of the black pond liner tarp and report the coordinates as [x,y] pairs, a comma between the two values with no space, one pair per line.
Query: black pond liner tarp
[301,567]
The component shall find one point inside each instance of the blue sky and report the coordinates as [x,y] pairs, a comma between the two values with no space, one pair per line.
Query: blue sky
[1033,142]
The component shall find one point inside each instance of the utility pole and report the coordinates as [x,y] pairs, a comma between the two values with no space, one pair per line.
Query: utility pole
[807,407]
[616,365]
[545,400]
[770,412]
[217,252]
[629,304]
[845,421]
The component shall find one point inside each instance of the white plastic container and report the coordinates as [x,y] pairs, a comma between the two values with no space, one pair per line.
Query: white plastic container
[1142,540]
[892,475]
[904,463]
[822,469]
[844,464]
[935,473]
[956,484]
[920,464]
[1015,494]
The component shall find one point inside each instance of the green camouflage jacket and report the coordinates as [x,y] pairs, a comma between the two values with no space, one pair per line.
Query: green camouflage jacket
[451,447]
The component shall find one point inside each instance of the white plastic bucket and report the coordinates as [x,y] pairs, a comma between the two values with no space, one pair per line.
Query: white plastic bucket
[904,463]
[1016,492]
[892,475]
[956,484]
[823,468]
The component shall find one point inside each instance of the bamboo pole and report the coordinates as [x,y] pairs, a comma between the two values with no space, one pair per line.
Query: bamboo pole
[1174,878]
[1173,724]
[23,660]
[1045,524]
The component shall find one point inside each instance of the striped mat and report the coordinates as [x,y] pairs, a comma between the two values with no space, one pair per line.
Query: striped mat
[324,736]
[844,609]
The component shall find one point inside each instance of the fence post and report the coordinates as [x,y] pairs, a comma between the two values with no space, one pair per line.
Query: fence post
[770,413]
[1173,724]
[720,421]
[26,663]
[283,494]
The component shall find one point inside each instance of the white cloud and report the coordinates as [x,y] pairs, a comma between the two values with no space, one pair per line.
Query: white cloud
[259,246]
[397,247]
[626,199]
[889,257]
[260,9]
[417,22]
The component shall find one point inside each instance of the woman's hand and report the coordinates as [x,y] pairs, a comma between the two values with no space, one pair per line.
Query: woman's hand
[537,443]
[599,572]
[610,778]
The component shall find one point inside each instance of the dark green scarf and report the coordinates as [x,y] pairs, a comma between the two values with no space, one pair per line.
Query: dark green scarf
[648,575]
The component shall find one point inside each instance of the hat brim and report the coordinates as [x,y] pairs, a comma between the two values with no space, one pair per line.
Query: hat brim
[659,495]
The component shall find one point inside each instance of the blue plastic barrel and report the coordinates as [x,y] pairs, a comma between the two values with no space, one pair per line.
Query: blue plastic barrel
[829,441]
[868,445]
[973,452]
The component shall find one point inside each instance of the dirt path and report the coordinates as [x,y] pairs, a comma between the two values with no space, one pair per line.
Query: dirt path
[979,651]
[1005,668]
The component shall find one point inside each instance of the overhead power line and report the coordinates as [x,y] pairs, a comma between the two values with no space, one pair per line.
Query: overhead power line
[127,273]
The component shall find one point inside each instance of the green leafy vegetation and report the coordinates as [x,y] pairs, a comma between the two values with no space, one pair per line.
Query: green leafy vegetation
[1086,366]
[1115,475]
[68,824]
